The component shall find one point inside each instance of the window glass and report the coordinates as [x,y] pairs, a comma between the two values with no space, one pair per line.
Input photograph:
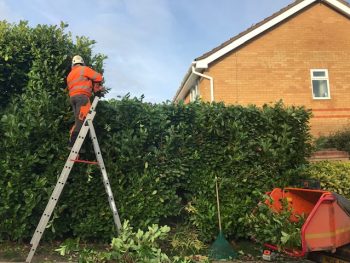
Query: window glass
[320,88]
[319,73]
[320,84]
[194,93]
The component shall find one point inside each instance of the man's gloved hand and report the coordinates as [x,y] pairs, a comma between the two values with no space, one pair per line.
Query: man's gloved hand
[99,90]
[99,94]
[97,87]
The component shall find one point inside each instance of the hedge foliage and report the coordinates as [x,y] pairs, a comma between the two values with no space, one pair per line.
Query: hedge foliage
[35,117]
[339,140]
[161,158]
[333,176]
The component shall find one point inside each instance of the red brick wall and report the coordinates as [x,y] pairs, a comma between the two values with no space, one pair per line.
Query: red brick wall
[187,98]
[277,64]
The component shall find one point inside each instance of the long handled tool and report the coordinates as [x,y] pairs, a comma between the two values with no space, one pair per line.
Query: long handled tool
[221,248]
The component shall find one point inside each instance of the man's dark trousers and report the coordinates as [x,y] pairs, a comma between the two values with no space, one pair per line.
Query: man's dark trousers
[77,101]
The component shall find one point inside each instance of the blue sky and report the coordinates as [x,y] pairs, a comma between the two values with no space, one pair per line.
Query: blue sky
[150,44]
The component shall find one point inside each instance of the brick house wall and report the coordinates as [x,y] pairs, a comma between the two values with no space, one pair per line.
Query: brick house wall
[276,65]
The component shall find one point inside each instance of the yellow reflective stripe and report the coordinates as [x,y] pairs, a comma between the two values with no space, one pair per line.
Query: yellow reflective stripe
[81,78]
[80,87]
[328,234]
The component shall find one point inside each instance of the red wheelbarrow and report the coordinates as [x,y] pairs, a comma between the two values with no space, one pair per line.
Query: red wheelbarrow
[327,224]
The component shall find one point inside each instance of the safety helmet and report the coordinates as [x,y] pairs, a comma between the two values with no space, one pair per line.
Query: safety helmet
[77,60]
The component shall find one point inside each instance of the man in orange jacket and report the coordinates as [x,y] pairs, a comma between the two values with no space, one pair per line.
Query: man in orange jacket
[81,82]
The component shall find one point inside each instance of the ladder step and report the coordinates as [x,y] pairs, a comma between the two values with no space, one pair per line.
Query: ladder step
[84,161]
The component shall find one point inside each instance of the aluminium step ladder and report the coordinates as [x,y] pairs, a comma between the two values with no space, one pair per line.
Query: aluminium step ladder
[72,158]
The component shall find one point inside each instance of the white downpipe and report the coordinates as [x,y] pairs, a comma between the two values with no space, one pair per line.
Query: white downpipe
[211,82]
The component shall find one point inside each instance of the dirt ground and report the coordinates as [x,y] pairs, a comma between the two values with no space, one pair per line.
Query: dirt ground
[15,252]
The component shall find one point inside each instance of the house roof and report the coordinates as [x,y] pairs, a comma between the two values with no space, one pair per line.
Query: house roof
[226,43]
[202,62]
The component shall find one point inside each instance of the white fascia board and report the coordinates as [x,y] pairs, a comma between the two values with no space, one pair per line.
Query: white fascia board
[203,63]
[339,5]
[186,87]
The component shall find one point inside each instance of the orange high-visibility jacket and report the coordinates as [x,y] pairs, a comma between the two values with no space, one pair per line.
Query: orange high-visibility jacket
[80,80]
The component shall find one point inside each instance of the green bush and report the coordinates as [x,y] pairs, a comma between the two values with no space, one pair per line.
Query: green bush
[184,241]
[129,247]
[161,158]
[339,140]
[333,176]
[252,150]
[139,246]
[35,119]
[276,228]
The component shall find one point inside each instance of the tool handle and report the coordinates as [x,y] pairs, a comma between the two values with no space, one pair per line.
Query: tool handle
[217,201]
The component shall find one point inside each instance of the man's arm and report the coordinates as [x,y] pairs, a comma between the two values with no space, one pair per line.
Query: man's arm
[96,79]
[92,75]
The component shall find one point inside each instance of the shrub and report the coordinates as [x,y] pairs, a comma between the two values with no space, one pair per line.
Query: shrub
[35,119]
[276,228]
[160,159]
[339,140]
[333,176]
[252,150]
[139,246]
[129,247]
[184,241]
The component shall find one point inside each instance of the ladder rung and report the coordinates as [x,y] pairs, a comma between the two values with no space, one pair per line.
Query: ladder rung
[84,161]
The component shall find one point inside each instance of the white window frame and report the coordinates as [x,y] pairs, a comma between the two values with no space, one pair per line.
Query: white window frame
[194,93]
[326,77]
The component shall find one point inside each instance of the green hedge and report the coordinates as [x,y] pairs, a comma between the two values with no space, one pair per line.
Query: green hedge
[161,158]
[333,176]
[339,140]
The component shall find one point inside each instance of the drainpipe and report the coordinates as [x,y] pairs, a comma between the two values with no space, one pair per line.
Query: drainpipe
[207,77]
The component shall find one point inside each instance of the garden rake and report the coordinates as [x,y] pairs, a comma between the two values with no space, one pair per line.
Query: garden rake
[221,248]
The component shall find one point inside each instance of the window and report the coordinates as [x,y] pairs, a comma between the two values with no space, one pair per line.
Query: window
[194,94]
[320,84]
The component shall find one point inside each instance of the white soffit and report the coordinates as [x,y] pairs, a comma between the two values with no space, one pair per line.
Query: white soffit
[203,63]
